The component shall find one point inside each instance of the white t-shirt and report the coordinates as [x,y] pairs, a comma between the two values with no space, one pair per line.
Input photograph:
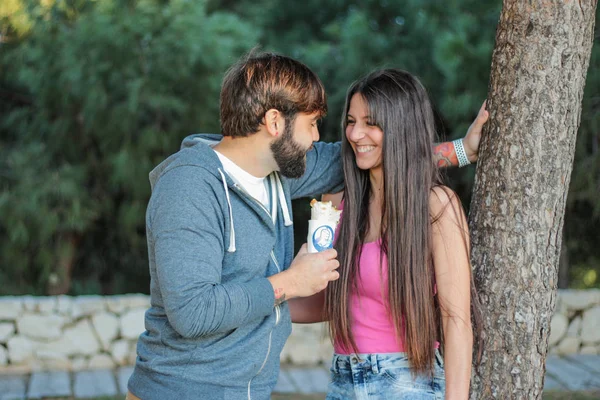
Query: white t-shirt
[250,183]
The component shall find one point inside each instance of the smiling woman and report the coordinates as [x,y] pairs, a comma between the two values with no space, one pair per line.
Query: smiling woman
[363,135]
[405,286]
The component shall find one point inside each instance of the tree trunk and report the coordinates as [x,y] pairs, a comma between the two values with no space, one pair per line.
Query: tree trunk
[60,280]
[538,74]
[563,266]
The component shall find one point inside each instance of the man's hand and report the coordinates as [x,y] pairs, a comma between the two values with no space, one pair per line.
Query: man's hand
[309,274]
[471,140]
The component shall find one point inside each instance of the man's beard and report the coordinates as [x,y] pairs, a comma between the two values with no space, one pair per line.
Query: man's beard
[289,154]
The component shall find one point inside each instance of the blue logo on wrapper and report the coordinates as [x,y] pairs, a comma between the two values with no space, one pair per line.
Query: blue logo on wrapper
[322,238]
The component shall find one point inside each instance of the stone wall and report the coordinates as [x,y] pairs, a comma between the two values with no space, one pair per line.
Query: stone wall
[575,326]
[96,332]
[69,333]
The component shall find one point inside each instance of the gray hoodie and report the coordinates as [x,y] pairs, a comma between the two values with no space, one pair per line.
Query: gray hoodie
[212,331]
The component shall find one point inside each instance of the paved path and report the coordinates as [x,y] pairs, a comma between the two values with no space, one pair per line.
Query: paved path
[580,372]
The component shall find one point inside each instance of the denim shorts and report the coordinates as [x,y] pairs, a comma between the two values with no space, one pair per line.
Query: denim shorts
[383,376]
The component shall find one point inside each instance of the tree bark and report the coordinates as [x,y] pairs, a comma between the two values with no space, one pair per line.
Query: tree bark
[563,265]
[538,73]
[60,281]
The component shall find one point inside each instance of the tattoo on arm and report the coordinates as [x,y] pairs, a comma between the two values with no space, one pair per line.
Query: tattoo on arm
[279,296]
[444,155]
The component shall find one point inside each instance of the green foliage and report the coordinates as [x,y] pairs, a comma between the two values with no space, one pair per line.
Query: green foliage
[448,45]
[94,94]
[582,220]
[98,94]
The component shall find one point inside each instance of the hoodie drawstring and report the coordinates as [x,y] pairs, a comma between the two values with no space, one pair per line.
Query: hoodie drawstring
[273,199]
[286,212]
[231,248]
[277,193]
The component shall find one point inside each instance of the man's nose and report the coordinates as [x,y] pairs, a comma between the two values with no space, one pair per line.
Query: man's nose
[315,135]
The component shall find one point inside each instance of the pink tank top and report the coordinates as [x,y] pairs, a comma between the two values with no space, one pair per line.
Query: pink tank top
[372,326]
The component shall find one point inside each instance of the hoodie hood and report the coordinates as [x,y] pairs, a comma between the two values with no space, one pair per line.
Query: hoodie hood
[189,154]
[197,150]
[210,139]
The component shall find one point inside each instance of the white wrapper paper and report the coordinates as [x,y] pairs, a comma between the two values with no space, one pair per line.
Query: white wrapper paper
[320,235]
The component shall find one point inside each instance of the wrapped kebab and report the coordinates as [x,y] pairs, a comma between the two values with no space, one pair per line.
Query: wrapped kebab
[324,218]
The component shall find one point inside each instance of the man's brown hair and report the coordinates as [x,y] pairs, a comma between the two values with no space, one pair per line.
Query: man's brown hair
[262,81]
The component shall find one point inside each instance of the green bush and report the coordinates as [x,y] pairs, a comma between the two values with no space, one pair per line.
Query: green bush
[93,94]
[99,93]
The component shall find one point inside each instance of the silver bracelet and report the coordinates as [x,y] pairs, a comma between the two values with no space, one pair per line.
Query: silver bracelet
[463,160]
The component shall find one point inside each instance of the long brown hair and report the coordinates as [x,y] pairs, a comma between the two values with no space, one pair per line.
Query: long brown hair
[398,104]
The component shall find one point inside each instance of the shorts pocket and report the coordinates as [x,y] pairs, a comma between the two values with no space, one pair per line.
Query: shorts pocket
[401,378]
[439,387]
[439,377]
[340,386]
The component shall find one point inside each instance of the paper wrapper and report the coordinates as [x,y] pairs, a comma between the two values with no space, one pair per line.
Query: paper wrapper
[321,226]
[320,235]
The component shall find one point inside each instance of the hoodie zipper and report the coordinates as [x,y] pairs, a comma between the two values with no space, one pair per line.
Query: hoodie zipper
[277,310]
[277,307]
[261,367]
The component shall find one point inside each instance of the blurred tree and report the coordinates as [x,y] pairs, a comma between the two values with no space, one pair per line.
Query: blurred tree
[582,220]
[447,44]
[94,94]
